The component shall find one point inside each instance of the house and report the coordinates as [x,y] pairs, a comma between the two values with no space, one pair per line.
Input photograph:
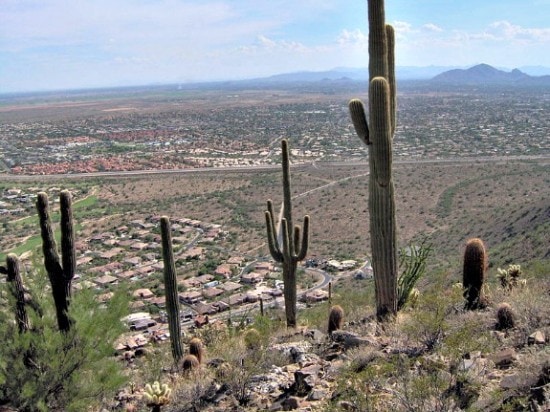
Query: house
[252,278]
[236,299]
[230,286]
[143,293]
[105,280]
[159,301]
[134,260]
[314,296]
[203,279]
[221,306]
[84,260]
[189,283]
[205,309]
[193,254]
[127,274]
[191,297]
[211,293]
[236,260]
[108,268]
[201,320]
[138,246]
[264,266]
[109,254]
[224,270]
[145,270]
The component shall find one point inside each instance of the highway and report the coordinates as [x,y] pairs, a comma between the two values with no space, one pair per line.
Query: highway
[260,168]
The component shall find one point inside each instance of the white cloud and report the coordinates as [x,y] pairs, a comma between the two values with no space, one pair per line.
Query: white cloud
[432,28]
[504,30]
[356,36]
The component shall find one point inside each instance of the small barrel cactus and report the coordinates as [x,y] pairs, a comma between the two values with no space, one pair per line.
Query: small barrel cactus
[335,318]
[474,273]
[506,318]
[189,363]
[196,348]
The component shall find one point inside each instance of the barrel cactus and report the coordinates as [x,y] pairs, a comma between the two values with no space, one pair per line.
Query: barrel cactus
[474,273]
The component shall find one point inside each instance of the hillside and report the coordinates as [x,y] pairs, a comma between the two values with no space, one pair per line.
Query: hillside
[483,74]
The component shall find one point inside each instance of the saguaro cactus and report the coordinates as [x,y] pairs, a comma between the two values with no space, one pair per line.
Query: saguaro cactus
[60,271]
[379,137]
[171,289]
[292,250]
[17,291]
[473,274]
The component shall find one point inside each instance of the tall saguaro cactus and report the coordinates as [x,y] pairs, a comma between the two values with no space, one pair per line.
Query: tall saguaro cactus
[60,270]
[18,292]
[171,289]
[377,134]
[293,250]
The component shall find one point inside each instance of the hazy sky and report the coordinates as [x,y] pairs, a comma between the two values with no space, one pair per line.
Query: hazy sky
[58,44]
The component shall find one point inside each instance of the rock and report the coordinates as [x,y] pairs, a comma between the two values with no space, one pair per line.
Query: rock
[317,395]
[536,338]
[291,403]
[350,340]
[504,358]
[346,406]
[294,350]
[315,335]
[521,382]
[306,378]
[540,396]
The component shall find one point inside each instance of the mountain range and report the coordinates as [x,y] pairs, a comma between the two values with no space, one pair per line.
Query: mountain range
[476,75]
[485,74]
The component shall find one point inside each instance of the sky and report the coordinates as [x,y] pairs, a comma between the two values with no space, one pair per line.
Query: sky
[67,44]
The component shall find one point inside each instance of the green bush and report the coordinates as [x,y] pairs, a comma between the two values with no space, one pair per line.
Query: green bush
[43,369]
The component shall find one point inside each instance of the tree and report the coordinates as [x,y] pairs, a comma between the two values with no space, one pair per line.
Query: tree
[43,369]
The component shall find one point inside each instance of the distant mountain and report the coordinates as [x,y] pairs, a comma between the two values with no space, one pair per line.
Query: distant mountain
[361,74]
[483,74]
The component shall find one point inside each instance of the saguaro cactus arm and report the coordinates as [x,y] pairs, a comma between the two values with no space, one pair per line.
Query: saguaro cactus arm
[49,246]
[273,244]
[67,236]
[379,95]
[359,119]
[301,254]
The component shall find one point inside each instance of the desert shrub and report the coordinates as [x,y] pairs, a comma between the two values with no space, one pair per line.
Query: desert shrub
[412,261]
[429,323]
[43,369]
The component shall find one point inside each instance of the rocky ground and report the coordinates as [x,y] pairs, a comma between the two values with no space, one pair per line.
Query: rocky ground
[371,366]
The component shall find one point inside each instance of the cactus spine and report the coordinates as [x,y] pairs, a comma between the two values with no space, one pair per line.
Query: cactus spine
[379,137]
[292,250]
[60,271]
[473,274]
[17,291]
[171,289]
